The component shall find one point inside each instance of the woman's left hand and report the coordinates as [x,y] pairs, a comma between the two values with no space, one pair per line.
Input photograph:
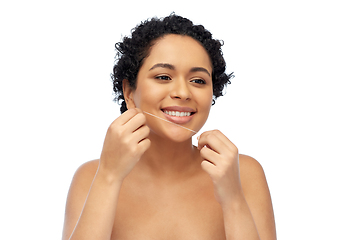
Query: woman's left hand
[221,162]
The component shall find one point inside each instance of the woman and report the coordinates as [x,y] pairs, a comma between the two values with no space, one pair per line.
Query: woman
[150,181]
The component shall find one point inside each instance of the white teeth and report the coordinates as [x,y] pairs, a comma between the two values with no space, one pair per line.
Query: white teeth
[177,114]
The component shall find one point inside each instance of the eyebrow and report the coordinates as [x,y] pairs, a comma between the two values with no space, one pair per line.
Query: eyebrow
[163,65]
[172,67]
[200,69]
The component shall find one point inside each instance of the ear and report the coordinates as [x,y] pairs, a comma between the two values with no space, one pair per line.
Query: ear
[128,94]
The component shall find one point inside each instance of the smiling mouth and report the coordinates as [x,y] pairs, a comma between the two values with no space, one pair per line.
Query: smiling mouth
[178,113]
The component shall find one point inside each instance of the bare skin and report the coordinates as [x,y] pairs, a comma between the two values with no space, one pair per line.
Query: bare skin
[151,182]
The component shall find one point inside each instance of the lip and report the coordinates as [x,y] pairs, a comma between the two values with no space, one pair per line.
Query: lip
[179,120]
[179,109]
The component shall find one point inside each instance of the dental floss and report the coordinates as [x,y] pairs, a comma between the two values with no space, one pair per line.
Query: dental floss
[170,122]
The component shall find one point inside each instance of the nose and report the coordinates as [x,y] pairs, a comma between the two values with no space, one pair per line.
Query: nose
[180,90]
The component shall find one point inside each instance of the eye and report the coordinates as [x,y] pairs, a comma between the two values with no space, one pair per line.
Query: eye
[163,77]
[198,81]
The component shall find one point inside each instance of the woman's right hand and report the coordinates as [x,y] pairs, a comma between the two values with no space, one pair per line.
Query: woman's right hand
[125,142]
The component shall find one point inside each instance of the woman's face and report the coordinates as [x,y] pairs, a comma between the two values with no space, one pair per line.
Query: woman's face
[174,83]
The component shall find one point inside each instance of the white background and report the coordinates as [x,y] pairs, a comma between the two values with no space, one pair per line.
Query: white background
[293,105]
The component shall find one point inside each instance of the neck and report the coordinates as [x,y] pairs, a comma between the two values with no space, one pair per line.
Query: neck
[168,158]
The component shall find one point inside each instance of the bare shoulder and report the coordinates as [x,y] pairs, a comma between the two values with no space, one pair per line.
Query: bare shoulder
[86,170]
[249,162]
[77,195]
[257,195]
[252,176]
[82,181]
[250,168]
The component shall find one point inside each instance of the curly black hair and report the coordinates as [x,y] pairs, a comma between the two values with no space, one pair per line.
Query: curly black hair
[132,51]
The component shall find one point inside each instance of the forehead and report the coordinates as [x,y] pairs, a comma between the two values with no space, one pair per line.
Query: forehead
[180,51]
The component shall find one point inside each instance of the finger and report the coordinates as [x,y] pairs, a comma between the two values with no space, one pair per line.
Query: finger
[209,155]
[135,122]
[125,117]
[208,167]
[201,140]
[138,110]
[217,141]
[221,136]
[141,133]
[230,146]
[144,145]
[212,141]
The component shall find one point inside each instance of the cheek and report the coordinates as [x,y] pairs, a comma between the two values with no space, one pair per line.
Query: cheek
[205,103]
[146,95]
[207,99]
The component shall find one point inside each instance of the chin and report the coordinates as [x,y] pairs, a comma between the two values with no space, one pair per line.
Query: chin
[177,135]
[180,137]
